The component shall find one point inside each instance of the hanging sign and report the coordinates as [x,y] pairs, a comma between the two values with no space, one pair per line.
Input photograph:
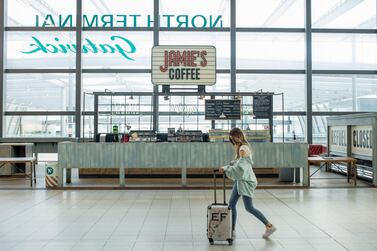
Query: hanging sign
[183,65]
[262,106]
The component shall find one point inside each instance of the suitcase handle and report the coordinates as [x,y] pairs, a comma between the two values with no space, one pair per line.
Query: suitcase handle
[215,171]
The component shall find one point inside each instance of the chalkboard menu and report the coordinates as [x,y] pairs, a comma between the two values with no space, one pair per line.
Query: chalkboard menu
[217,109]
[262,106]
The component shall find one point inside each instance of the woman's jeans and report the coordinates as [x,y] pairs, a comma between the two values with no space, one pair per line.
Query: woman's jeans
[248,202]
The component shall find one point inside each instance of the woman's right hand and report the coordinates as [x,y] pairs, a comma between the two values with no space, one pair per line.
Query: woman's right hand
[221,169]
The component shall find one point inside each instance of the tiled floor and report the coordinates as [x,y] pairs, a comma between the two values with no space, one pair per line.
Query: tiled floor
[316,219]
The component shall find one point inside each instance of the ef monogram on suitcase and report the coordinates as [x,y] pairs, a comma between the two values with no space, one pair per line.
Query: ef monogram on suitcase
[219,218]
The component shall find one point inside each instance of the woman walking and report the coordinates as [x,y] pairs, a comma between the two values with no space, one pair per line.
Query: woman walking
[241,172]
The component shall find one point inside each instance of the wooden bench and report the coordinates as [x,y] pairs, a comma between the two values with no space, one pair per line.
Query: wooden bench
[321,161]
[15,160]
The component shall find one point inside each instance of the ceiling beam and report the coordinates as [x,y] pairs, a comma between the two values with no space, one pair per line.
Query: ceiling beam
[335,12]
[278,12]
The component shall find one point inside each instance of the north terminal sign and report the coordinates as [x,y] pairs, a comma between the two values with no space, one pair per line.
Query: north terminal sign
[183,65]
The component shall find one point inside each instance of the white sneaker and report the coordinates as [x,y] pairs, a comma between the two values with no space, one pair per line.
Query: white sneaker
[269,231]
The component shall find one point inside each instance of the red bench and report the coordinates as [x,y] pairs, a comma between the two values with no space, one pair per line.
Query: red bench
[316,150]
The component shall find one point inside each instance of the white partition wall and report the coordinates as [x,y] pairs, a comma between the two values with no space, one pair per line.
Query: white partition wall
[355,136]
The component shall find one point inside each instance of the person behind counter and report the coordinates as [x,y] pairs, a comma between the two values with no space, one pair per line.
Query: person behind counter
[240,170]
[135,137]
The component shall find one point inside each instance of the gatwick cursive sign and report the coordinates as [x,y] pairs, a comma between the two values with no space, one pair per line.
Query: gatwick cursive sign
[121,45]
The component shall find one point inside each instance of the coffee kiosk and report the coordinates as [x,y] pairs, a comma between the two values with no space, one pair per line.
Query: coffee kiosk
[191,68]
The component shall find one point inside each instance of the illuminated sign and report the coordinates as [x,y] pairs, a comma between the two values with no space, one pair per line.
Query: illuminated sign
[183,65]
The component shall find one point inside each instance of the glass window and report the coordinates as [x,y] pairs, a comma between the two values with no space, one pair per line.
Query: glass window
[353,14]
[222,84]
[293,87]
[320,130]
[121,110]
[114,82]
[185,112]
[270,51]
[221,40]
[344,52]
[135,122]
[30,50]
[223,124]
[88,126]
[345,93]
[270,13]
[115,13]
[46,13]
[117,50]
[247,121]
[294,128]
[40,92]
[195,13]
[186,122]
[39,126]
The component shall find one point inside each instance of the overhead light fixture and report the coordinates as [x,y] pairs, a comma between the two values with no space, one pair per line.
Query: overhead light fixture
[238,97]
[131,97]
[202,96]
[166,96]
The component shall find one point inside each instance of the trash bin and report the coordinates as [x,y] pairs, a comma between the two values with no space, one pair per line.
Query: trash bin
[51,178]
[289,175]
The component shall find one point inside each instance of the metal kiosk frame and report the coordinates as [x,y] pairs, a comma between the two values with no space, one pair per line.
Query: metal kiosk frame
[213,95]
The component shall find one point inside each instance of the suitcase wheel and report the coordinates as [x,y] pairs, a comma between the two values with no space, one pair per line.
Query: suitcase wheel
[230,241]
[210,241]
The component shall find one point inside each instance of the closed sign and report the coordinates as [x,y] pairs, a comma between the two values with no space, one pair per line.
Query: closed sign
[362,140]
[183,65]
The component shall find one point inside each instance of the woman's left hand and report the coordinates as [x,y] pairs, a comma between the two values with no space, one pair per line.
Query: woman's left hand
[221,169]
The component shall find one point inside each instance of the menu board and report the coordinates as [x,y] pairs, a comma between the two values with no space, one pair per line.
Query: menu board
[262,106]
[222,109]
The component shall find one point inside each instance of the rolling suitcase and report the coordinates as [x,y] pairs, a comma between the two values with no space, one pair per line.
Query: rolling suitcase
[219,218]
